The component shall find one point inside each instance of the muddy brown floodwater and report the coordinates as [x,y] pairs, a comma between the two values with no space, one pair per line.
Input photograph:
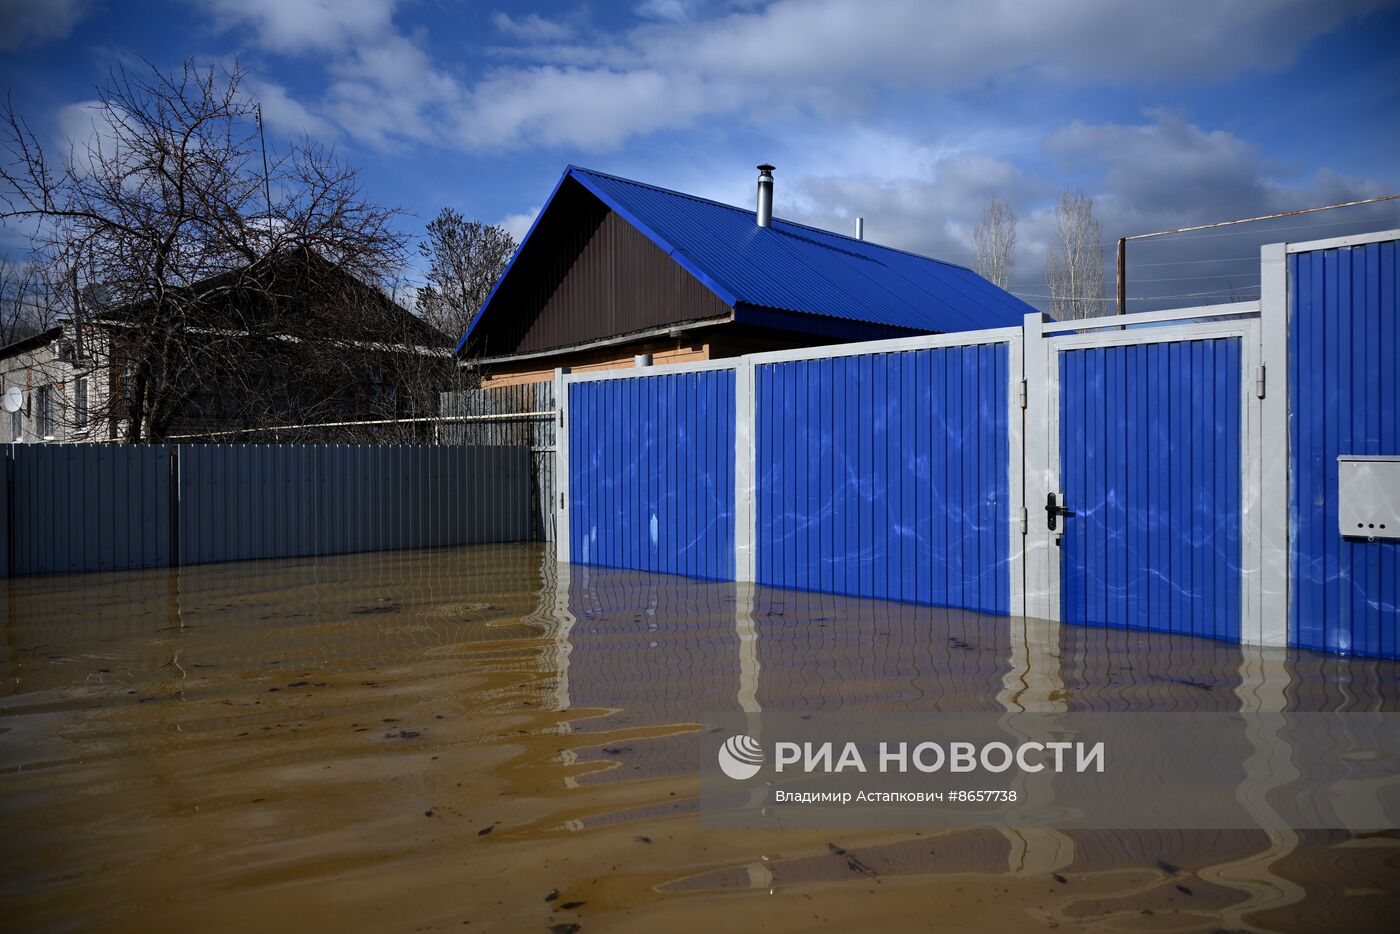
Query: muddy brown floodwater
[468,739]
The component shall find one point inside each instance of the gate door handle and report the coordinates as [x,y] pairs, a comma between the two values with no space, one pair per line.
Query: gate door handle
[1052,510]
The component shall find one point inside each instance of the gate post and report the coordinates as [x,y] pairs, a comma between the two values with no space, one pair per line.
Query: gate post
[561,465]
[1273,499]
[1041,588]
[745,466]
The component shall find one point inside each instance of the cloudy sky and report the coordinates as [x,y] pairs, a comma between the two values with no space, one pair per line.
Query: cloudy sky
[911,113]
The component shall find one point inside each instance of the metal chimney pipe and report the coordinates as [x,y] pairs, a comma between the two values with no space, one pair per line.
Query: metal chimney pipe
[765,195]
[860,228]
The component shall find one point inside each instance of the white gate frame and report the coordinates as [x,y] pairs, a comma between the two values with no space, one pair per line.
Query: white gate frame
[1043,449]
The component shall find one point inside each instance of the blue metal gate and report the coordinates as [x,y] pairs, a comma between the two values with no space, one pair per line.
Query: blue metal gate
[888,475]
[1344,393]
[1150,451]
[651,473]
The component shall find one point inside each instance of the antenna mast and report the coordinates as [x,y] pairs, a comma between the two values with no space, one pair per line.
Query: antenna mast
[267,185]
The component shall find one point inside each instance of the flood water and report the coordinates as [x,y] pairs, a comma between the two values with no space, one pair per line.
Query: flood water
[469,739]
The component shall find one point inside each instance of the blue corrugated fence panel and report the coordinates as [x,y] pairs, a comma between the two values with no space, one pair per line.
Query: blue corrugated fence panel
[1344,397]
[887,475]
[1150,463]
[651,473]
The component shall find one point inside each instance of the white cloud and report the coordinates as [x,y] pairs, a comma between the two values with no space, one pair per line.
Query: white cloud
[87,135]
[961,43]
[668,10]
[532,27]
[283,113]
[33,22]
[301,25]
[1168,172]
[588,108]
[518,225]
[820,58]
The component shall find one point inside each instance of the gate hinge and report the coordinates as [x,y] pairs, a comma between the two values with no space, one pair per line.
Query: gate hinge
[1025,521]
[1259,382]
[561,499]
[561,418]
[1024,392]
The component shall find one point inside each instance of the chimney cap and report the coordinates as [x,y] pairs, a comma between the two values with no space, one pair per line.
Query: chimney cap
[765,168]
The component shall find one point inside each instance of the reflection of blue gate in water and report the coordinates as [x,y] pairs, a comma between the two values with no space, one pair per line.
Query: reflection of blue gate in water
[1150,460]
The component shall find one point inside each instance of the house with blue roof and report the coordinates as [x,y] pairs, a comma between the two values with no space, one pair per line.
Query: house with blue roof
[613,268]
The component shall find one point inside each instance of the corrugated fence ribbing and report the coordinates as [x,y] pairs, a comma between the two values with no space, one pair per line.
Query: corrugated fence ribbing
[98,507]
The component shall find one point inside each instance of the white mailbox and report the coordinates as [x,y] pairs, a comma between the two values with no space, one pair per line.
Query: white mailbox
[1368,501]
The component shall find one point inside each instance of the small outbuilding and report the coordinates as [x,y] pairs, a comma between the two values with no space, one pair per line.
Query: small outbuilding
[614,268]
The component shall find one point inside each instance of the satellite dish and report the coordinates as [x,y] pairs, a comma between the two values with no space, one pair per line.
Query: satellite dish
[13,400]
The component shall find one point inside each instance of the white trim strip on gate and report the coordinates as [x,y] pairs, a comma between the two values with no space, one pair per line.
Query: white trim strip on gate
[1151,317]
[893,345]
[1333,243]
[641,372]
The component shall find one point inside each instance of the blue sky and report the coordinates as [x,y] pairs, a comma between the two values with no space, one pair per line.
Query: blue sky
[909,113]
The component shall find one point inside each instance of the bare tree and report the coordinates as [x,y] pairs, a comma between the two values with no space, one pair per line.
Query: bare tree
[995,238]
[465,258]
[161,217]
[1074,268]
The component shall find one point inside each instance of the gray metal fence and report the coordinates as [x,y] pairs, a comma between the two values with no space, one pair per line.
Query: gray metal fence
[510,415]
[98,507]
[88,507]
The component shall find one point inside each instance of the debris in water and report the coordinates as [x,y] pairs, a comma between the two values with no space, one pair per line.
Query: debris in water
[642,839]
[553,894]
[1061,879]
[836,849]
[485,830]
[564,928]
[1184,890]
[1170,869]
[570,906]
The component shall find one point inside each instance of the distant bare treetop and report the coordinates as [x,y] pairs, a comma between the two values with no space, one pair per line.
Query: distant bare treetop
[465,259]
[995,238]
[29,299]
[1074,268]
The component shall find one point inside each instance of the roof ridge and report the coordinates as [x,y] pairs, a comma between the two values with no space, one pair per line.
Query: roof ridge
[720,204]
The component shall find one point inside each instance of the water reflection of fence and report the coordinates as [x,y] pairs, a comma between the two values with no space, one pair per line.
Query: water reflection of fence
[251,616]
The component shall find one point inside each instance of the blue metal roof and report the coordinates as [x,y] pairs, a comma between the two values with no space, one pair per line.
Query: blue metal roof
[795,268]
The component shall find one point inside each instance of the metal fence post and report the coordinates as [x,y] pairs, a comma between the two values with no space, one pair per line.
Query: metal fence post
[174,494]
[745,465]
[561,465]
[1273,499]
[1040,588]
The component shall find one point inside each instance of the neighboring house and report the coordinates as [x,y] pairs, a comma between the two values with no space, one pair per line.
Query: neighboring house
[56,395]
[613,268]
[296,342]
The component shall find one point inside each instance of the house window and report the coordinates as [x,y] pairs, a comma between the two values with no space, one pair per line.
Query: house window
[80,403]
[44,417]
